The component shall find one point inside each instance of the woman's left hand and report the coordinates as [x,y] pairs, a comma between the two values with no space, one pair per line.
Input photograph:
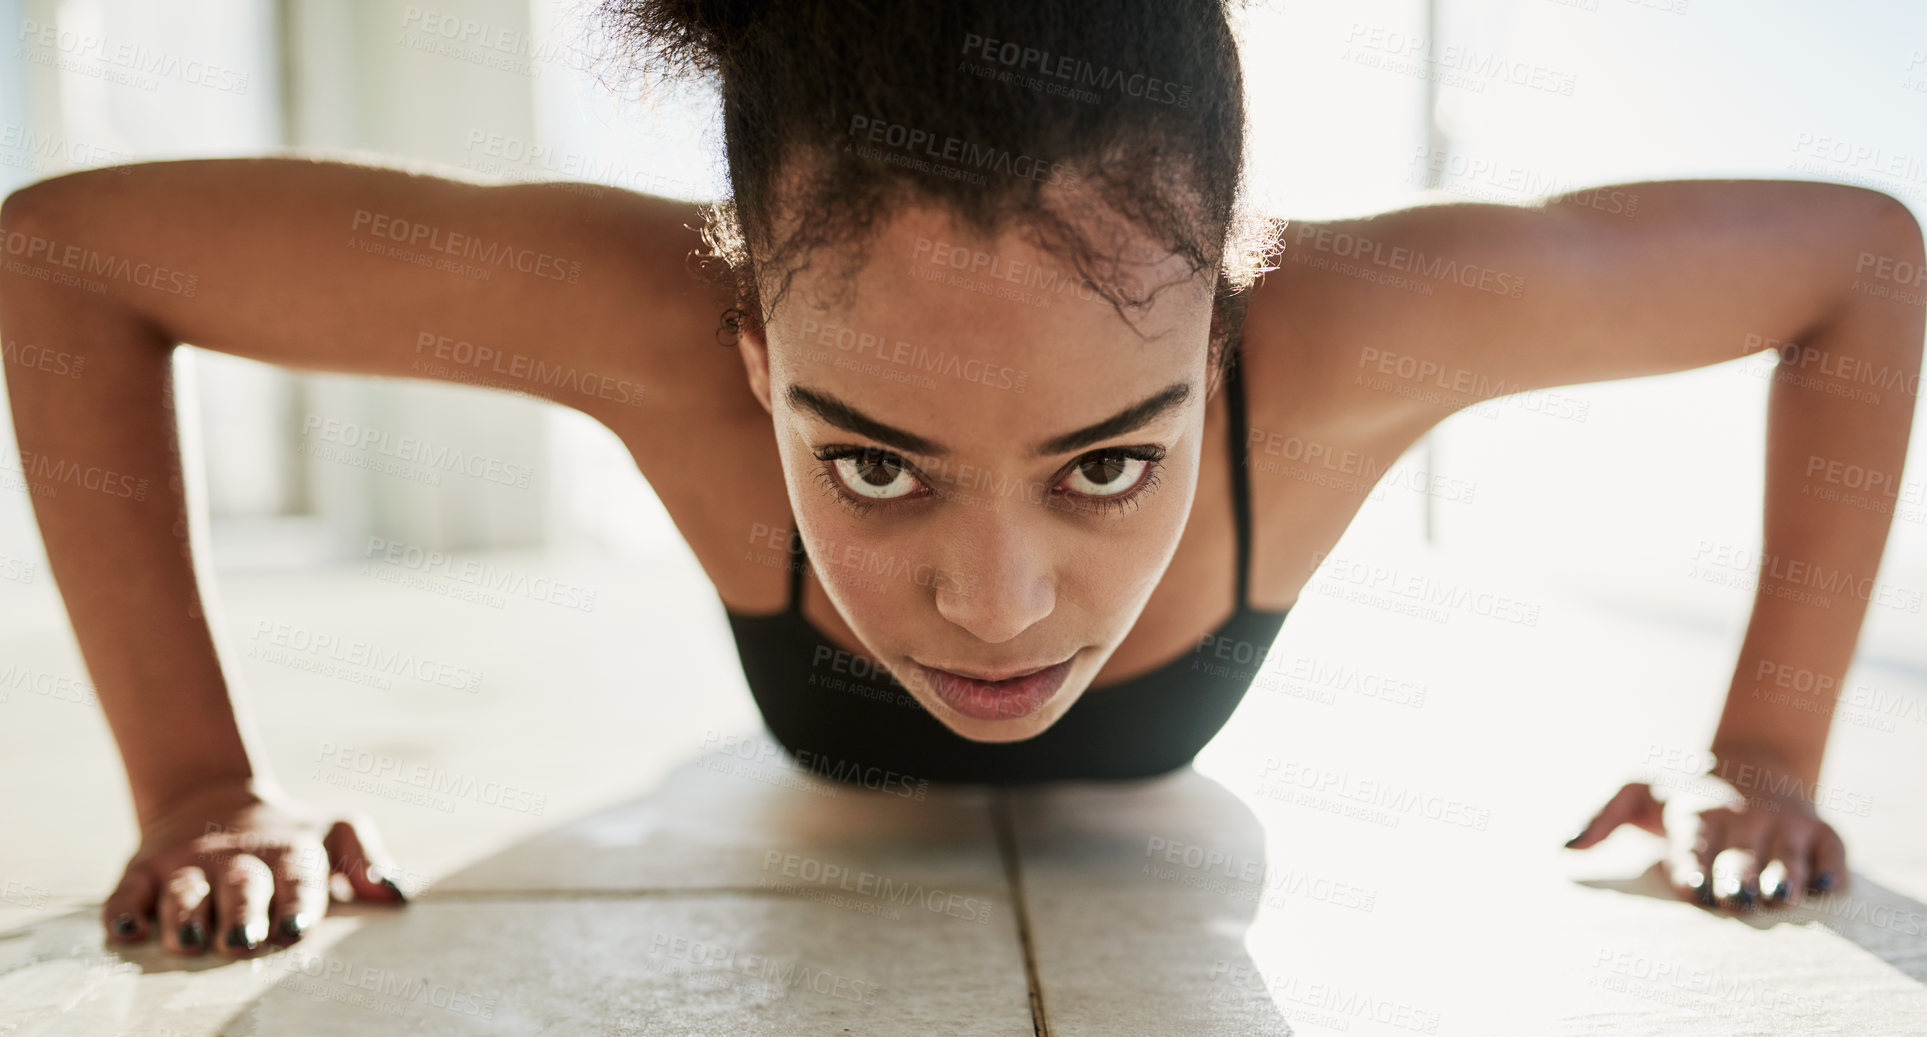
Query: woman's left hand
[1726,848]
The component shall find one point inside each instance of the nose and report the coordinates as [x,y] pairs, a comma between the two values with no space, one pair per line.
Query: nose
[999,585]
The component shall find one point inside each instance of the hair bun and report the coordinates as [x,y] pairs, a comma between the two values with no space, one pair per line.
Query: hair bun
[674,36]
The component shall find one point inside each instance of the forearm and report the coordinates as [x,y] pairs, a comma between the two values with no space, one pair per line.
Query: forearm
[1838,417]
[99,454]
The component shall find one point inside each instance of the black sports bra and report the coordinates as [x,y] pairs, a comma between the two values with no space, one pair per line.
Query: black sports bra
[843,716]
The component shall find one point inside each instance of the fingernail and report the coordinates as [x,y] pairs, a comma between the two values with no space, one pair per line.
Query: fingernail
[1824,882]
[126,925]
[291,927]
[1747,897]
[396,890]
[247,937]
[1780,891]
[192,934]
[1575,839]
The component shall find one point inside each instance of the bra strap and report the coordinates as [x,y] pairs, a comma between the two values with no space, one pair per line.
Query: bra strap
[1240,467]
[798,559]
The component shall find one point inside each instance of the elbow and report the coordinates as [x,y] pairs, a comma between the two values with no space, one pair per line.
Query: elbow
[14,208]
[1893,244]
[23,216]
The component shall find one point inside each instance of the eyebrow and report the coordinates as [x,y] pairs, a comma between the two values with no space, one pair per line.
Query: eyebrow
[848,418]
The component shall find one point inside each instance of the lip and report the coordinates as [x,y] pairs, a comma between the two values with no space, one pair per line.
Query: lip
[1020,694]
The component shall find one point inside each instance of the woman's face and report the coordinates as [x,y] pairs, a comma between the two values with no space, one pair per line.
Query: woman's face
[989,467]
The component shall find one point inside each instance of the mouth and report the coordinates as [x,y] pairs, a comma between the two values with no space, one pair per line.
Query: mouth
[1015,694]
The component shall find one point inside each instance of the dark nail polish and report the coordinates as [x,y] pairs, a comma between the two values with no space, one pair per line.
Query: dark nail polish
[125,925]
[1706,894]
[1780,891]
[396,890]
[291,927]
[241,938]
[1824,882]
[193,935]
[1747,897]
[1574,839]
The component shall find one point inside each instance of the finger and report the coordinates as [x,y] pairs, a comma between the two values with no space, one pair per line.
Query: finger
[1633,804]
[1788,884]
[242,889]
[1689,859]
[1829,861]
[354,850]
[300,892]
[129,909]
[185,910]
[1736,878]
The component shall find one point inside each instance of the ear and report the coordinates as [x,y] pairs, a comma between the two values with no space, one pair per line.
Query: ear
[754,347]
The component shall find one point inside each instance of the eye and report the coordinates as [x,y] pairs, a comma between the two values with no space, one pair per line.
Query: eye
[1107,473]
[873,475]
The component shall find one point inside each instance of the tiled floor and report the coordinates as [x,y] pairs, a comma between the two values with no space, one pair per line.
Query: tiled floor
[678,878]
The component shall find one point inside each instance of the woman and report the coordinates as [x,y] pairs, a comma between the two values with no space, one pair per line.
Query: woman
[974,473]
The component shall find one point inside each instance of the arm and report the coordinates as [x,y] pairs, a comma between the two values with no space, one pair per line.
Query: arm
[1648,278]
[266,259]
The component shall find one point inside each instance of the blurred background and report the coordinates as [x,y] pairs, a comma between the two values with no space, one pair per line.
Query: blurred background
[1608,491]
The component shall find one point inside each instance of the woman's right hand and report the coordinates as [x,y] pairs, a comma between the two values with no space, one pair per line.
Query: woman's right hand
[233,868]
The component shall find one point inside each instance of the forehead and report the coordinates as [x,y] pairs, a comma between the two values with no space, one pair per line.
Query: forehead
[940,326]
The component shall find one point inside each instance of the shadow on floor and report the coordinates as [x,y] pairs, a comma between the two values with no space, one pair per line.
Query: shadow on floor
[744,896]
[1885,923]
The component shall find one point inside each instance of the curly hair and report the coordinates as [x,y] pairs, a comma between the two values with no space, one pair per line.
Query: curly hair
[1047,113]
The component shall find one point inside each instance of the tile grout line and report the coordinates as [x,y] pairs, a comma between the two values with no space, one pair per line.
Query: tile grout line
[1007,848]
[472,896]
